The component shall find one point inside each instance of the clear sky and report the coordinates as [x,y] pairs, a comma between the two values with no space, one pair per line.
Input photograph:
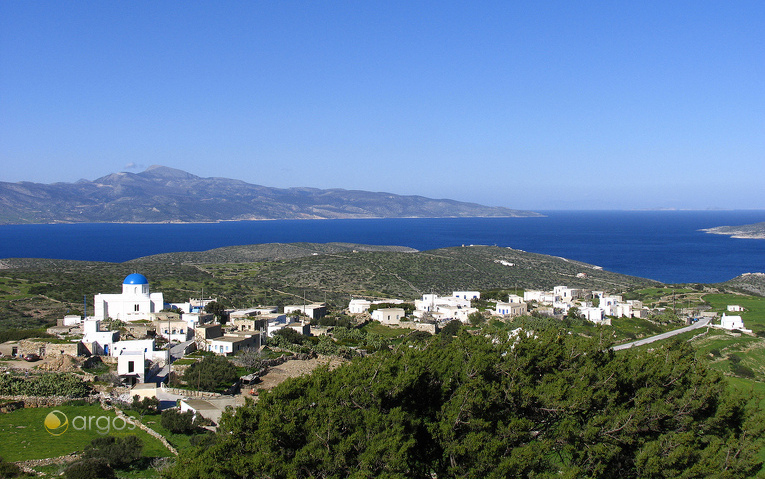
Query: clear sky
[533,105]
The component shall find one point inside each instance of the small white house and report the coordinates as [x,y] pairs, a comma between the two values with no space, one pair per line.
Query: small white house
[388,315]
[142,345]
[735,308]
[732,322]
[466,295]
[313,311]
[510,309]
[175,330]
[232,343]
[96,341]
[596,315]
[359,306]
[131,367]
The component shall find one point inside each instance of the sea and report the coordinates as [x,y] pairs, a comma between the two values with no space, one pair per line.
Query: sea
[667,246]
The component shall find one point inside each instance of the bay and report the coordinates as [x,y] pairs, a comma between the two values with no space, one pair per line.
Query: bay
[663,245]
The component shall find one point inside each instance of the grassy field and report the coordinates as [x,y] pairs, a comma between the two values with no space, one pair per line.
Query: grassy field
[754,316]
[23,435]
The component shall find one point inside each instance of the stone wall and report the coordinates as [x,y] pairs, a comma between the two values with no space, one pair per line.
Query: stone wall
[417,326]
[45,401]
[44,348]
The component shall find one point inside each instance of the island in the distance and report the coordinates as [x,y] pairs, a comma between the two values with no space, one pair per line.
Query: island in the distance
[752,231]
[166,195]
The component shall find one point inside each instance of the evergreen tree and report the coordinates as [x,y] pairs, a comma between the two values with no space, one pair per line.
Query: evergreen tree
[536,404]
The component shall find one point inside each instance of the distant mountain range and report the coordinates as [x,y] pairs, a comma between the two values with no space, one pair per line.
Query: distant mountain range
[163,195]
[753,231]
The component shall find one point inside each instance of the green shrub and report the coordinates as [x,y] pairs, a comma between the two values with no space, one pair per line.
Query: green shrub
[89,469]
[48,384]
[10,470]
[118,452]
[741,370]
[211,373]
[178,422]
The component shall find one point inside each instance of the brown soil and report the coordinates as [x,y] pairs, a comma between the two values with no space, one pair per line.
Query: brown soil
[292,369]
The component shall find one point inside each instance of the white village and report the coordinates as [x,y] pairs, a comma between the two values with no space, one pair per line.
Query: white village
[141,321]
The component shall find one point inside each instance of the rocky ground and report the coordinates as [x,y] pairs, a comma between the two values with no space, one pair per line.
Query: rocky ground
[291,369]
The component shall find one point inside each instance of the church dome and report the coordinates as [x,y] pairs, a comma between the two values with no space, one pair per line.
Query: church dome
[135,278]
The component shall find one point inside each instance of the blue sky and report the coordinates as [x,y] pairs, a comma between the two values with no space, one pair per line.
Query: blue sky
[533,105]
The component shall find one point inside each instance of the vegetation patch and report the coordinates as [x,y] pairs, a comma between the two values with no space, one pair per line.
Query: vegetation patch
[23,435]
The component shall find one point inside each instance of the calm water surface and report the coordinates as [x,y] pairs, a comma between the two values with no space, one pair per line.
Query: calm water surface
[665,246]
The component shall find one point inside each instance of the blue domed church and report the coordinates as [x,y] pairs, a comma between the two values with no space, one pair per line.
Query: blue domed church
[135,303]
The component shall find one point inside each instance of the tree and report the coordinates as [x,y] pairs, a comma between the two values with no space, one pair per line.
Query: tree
[573,313]
[451,328]
[217,309]
[542,404]
[144,406]
[476,318]
[89,469]
[178,422]
[290,335]
[211,373]
[116,451]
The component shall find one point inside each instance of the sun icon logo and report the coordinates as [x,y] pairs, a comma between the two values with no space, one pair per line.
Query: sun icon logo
[56,422]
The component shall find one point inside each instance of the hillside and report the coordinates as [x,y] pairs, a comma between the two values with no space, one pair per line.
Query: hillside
[753,231]
[753,283]
[36,291]
[264,252]
[161,194]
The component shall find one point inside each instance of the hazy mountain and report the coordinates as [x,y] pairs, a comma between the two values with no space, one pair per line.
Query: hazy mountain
[162,194]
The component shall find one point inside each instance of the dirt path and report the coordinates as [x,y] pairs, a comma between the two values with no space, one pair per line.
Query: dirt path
[292,369]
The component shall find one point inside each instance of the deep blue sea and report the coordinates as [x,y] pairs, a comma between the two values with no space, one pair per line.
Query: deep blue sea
[661,245]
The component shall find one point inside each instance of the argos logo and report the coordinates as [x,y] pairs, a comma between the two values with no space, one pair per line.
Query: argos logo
[57,423]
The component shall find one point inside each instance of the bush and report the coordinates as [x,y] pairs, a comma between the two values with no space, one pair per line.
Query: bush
[10,470]
[49,384]
[741,370]
[178,422]
[290,335]
[116,451]
[89,469]
[451,328]
[734,358]
[419,336]
[211,373]
[144,406]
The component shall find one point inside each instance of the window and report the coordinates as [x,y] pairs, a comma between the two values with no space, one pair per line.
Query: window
[131,366]
[136,307]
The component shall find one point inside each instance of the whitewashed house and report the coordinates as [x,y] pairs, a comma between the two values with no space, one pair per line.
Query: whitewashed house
[359,306]
[514,298]
[510,309]
[98,342]
[566,294]
[388,315]
[131,367]
[733,322]
[466,295]
[313,310]
[596,315]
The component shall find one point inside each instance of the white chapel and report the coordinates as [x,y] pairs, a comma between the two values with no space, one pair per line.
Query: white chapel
[134,304]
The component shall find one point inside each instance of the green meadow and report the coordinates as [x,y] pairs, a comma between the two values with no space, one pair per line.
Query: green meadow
[23,435]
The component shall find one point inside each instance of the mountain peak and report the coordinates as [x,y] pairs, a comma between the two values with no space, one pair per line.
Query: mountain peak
[167,173]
